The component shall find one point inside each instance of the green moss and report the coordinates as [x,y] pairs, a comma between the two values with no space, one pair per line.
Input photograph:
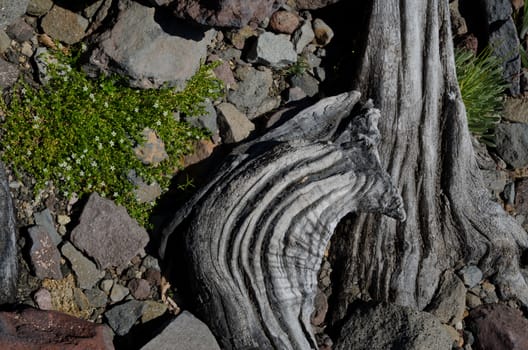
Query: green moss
[79,133]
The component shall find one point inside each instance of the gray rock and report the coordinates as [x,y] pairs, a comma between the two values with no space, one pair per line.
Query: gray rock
[512,144]
[152,310]
[207,120]
[45,257]
[96,297]
[39,8]
[160,2]
[184,332]
[253,90]
[303,36]
[306,83]
[449,302]
[8,74]
[44,221]
[8,247]
[106,285]
[147,193]
[505,44]
[118,293]
[64,25]
[471,275]
[161,50]
[472,300]
[107,233]
[11,10]
[389,326]
[497,10]
[516,110]
[295,94]
[234,125]
[42,298]
[150,262]
[85,271]
[20,31]
[122,317]
[274,50]
[323,32]
[5,41]
[139,288]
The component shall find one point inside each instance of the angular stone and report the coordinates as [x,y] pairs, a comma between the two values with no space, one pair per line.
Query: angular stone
[161,50]
[11,10]
[81,300]
[471,275]
[45,257]
[512,143]
[152,310]
[39,8]
[306,83]
[8,74]
[42,298]
[225,74]
[206,120]
[96,297]
[521,197]
[139,288]
[20,31]
[122,317]
[8,247]
[323,32]
[5,41]
[253,90]
[44,221]
[516,110]
[147,193]
[64,25]
[118,293]
[389,326]
[234,125]
[505,44]
[51,330]
[303,36]
[313,4]
[107,233]
[202,150]
[183,333]
[498,327]
[284,22]
[275,50]
[152,150]
[85,271]
[449,302]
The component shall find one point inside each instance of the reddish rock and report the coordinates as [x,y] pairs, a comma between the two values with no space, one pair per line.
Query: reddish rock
[153,277]
[224,73]
[45,257]
[202,150]
[51,330]
[498,327]
[521,197]
[284,22]
[320,308]
[139,288]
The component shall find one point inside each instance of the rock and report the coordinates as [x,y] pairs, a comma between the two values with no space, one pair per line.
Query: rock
[184,332]
[147,193]
[253,91]
[224,13]
[161,50]
[106,285]
[225,74]
[234,126]
[150,262]
[20,31]
[8,246]
[306,83]
[11,10]
[139,288]
[303,36]
[51,330]
[472,300]
[152,151]
[490,295]
[85,271]
[516,110]
[45,257]
[107,234]
[42,298]
[160,2]
[39,8]
[320,308]
[295,94]
[498,327]
[206,120]
[512,143]
[471,275]
[239,37]
[274,50]
[202,150]
[26,49]
[152,310]
[497,10]
[313,4]
[505,44]
[521,197]
[284,22]
[81,300]
[323,32]
[5,41]
[390,326]
[449,303]
[118,293]
[64,25]
[153,277]
[96,297]
[8,74]
[122,317]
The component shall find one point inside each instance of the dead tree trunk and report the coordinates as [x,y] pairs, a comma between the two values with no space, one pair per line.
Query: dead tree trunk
[408,70]
[8,248]
[256,234]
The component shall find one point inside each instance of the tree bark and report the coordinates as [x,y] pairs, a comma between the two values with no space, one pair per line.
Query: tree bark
[407,68]
[8,248]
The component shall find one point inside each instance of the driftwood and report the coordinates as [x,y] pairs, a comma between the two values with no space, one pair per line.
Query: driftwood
[256,234]
[8,249]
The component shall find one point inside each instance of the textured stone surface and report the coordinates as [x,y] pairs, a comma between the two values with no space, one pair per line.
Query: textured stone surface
[389,326]
[44,221]
[253,90]
[118,293]
[20,31]
[8,248]
[51,330]
[516,110]
[122,317]
[512,143]
[505,44]
[39,7]
[275,50]
[183,333]
[152,150]
[206,120]
[498,327]
[161,50]
[450,300]
[152,310]
[323,32]
[471,275]
[284,22]
[303,36]
[139,288]
[313,4]
[234,125]
[45,257]
[64,25]
[306,83]
[42,298]
[96,297]
[8,74]
[225,13]
[107,233]
[85,271]
[11,10]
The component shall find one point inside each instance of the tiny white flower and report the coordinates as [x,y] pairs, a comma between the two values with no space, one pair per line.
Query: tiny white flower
[89,186]
[23,91]
[93,163]
[103,183]
[136,109]
[66,193]
[68,178]
[156,105]
[82,156]
[85,151]
[111,143]
[45,170]
[85,88]
[92,97]
[8,146]
[35,126]
[63,165]
[121,140]
[77,161]
[69,167]
[36,118]
[97,138]
[73,156]
[65,78]
[165,113]
[112,168]
[158,123]
[81,173]
[100,146]
[116,194]
[106,104]
[128,119]
[113,133]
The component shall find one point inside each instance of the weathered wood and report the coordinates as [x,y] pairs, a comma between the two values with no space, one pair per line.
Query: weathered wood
[256,234]
[8,249]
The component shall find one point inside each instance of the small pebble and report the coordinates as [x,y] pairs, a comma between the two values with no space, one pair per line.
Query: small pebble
[106,285]
[42,298]
[118,293]
[63,219]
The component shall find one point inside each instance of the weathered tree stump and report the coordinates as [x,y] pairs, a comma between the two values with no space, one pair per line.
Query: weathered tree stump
[256,234]
[8,249]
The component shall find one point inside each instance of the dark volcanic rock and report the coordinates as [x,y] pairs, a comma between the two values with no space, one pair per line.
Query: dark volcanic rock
[8,249]
[51,330]
[498,327]
[512,144]
[8,74]
[122,317]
